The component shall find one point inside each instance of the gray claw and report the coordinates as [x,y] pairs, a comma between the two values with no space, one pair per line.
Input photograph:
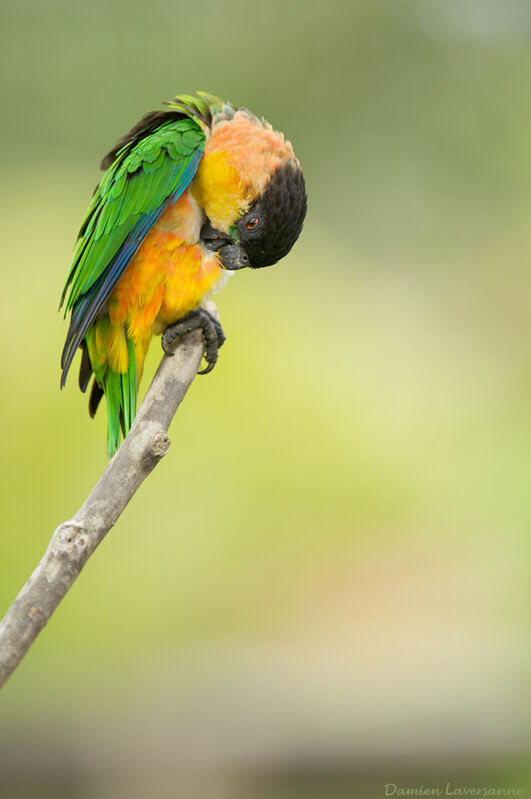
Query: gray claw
[213,335]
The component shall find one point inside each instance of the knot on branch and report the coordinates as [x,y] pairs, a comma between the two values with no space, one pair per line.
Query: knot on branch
[160,444]
[70,539]
[153,446]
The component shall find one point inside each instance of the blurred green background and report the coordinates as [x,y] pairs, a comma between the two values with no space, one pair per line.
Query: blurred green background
[324,587]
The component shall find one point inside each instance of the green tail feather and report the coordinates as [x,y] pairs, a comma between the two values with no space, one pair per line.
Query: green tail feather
[120,393]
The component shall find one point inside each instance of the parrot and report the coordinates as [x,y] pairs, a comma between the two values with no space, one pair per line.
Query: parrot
[192,193]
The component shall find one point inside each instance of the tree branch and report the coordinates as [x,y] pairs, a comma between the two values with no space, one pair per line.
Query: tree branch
[74,541]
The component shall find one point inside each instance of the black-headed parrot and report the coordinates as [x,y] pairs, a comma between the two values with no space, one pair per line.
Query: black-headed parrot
[190,194]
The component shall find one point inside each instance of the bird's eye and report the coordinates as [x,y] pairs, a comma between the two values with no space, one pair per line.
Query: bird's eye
[252,224]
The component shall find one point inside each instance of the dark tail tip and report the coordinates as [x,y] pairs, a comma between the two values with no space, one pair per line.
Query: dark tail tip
[96,393]
[85,370]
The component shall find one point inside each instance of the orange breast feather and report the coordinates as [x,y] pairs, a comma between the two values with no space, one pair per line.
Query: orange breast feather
[167,278]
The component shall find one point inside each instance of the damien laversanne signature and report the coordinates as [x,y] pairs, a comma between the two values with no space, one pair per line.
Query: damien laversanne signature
[450,790]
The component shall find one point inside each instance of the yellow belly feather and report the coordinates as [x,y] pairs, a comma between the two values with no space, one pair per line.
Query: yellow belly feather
[167,278]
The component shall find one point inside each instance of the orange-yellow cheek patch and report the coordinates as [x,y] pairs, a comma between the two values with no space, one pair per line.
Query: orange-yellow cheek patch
[217,188]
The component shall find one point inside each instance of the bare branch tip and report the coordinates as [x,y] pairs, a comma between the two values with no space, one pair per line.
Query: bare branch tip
[74,541]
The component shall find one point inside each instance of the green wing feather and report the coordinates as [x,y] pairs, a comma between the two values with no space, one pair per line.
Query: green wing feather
[138,182]
[150,167]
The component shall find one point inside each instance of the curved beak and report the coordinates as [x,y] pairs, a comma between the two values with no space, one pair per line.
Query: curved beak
[233,257]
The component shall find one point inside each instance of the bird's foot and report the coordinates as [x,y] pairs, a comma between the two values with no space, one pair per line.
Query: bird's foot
[213,335]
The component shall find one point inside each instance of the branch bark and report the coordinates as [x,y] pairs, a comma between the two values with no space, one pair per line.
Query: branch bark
[74,541]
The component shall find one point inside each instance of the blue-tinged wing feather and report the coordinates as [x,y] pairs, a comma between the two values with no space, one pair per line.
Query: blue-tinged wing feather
[115,225]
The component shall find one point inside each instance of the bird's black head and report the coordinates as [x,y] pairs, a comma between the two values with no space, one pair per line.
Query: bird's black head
[269,229]
[273,223]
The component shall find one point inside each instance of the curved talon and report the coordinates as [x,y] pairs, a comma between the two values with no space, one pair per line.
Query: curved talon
[213,335]
[208,368]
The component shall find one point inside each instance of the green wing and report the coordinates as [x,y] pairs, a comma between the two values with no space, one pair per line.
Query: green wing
[150,171]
